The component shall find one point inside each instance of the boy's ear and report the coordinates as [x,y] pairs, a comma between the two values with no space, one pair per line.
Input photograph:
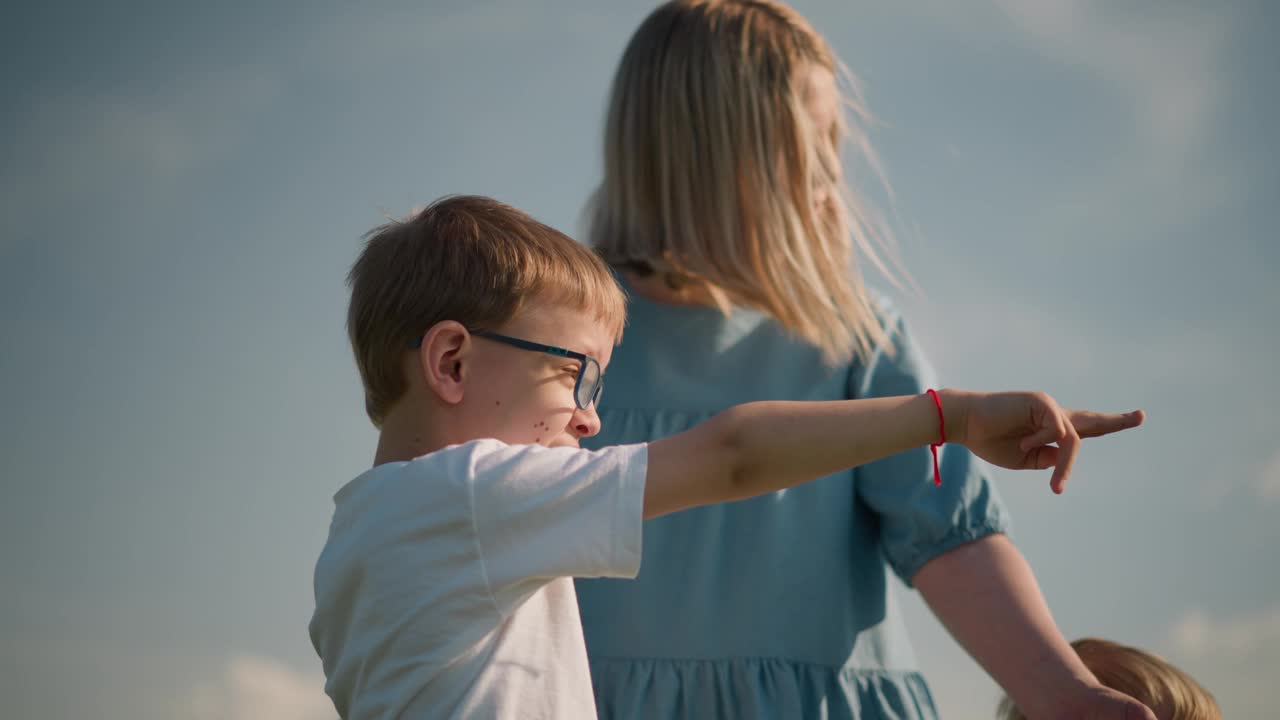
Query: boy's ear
[443,357]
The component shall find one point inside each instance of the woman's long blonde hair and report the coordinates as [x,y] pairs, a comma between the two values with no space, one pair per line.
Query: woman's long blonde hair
[711,167]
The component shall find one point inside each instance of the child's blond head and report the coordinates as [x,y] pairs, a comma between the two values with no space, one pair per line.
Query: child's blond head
[469,259]
[1169,692]
[719,176]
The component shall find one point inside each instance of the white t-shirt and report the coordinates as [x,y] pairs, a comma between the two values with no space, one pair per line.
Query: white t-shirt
[445,588]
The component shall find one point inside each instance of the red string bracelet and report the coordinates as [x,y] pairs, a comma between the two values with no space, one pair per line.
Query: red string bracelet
[942,432]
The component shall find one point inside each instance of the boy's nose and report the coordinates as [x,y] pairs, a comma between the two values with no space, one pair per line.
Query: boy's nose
[586,422]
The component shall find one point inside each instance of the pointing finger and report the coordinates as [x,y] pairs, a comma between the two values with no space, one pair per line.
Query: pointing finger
[1094,424]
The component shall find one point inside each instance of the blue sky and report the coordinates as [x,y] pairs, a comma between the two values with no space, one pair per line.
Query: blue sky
[1086,191]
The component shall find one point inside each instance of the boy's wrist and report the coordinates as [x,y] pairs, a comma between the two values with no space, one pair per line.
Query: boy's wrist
[955,414]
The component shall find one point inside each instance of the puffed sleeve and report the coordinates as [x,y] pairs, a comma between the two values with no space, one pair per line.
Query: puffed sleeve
[918,520]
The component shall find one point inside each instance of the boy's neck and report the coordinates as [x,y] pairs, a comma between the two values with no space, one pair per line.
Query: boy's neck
[406,435]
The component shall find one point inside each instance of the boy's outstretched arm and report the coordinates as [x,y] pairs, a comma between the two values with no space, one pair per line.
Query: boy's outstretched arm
[761,447]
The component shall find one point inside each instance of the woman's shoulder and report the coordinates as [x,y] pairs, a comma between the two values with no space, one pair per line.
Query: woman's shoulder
[897,365]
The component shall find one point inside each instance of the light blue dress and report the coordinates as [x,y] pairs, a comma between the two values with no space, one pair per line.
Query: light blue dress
[775,607]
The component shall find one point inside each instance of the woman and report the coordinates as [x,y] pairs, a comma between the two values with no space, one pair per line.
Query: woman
[724,210]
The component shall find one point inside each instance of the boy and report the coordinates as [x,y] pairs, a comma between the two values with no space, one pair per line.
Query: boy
[482,337]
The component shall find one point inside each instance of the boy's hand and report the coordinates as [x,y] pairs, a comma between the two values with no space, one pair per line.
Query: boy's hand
[1015,430]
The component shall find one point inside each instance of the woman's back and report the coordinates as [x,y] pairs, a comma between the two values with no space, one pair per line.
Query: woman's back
[777,606]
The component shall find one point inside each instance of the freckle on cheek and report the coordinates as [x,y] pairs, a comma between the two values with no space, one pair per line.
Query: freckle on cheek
[497,402]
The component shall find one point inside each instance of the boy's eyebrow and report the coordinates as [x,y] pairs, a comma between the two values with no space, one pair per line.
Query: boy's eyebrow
[586,348]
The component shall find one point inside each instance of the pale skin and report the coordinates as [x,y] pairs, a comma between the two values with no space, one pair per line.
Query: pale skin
[984,592]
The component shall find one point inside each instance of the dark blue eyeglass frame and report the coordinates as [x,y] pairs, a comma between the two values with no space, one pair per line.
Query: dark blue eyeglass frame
[590,381]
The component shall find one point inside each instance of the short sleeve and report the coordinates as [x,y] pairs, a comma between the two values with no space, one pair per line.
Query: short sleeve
[918,520]
[542,513]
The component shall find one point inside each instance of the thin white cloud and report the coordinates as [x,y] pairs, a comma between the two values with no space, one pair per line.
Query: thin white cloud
[1166,61]
[79,150]
[73,149]
[1235,658]
[1041,341]
[1164,66]
[1199,635]
[1263,485]
[259,688]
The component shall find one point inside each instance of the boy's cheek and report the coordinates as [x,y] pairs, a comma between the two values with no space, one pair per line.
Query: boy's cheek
[526,428]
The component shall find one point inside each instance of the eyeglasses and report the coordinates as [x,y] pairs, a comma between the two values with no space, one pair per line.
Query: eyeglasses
[590,382]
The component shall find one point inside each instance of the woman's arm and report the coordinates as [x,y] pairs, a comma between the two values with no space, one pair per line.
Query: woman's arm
[986,595]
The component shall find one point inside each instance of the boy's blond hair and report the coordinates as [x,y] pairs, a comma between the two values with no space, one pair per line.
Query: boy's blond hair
[469,259]
[711,167]
[1168,691]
